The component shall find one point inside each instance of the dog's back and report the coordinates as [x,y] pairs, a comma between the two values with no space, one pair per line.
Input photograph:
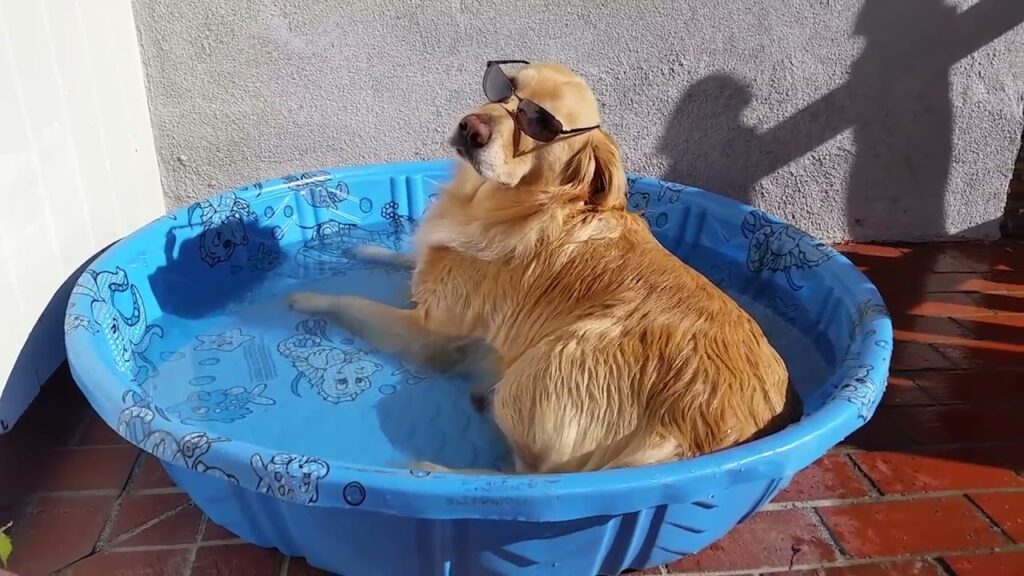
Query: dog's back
[615,352]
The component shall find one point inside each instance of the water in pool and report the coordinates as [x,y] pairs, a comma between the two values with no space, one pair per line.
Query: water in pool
[253,370]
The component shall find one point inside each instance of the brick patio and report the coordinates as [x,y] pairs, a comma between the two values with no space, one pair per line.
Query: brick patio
[932,486]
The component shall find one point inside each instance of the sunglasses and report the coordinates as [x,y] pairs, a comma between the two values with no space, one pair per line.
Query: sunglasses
[530,117]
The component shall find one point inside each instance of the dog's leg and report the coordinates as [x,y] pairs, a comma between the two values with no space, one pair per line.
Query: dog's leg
[381,255]
[391,330]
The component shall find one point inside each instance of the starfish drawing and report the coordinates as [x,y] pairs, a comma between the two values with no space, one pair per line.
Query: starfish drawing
[223,342]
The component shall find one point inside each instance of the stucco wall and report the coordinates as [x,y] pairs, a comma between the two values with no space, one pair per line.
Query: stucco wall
[865,119]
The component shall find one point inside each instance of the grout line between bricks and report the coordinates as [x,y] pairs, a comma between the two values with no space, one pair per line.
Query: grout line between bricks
[944,566]
[107,526]
[824,527]
[283,571]
[864,477]
[159,547]
[857,562]
[885,498]
[144,526]
[194,550]
[992,522]
[116,507]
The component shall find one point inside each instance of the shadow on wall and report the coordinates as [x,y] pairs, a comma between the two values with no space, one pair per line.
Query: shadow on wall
[896,99]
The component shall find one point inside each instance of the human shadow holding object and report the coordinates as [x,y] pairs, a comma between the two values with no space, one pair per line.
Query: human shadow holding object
[896,99]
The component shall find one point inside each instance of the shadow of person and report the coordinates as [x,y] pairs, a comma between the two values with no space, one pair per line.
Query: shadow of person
[896,99]
[902,120]
[707,142]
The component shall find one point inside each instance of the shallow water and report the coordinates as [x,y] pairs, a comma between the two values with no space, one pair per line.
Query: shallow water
[256,371]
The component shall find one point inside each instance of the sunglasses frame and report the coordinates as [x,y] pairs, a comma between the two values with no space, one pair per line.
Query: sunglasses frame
[560,129]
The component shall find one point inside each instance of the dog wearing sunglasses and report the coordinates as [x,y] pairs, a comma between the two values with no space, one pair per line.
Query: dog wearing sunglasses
[596,346]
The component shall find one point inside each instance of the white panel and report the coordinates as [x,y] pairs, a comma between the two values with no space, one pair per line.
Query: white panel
[78,168]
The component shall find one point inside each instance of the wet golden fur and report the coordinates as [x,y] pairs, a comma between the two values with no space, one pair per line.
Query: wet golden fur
[610,351]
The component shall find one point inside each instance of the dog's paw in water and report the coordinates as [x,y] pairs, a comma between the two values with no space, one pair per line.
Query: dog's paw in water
[381,255]
[311,302]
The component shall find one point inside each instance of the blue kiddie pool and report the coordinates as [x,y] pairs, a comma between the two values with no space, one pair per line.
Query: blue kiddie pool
[293,434]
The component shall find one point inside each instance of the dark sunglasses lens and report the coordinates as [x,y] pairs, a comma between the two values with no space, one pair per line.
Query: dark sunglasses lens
[497,86]
[537,123]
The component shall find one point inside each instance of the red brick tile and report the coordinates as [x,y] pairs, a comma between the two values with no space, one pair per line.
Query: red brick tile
[54,531]
[900,473]
[989,281]
[905,568]
[999,564]
[856,250]
[215,531]
[150,475]
[131,563]
[881,432]
[918,356]
[978,354]
[98,468]
[903,391]
[928,330]
[976,387]
[179,526]
[965,305]
[97,433]
[237,559]
[910,527]
[1007,510]
[964,257]
[771,539]
[932,425]
[831,477]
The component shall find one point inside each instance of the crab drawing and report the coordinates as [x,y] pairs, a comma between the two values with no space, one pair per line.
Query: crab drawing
[337,374]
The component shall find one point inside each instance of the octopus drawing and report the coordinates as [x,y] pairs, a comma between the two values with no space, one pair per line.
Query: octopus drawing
[290,477]
[779,247]
[129,337]
[336,374]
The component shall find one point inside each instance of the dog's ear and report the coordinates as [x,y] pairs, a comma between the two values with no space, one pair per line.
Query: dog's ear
[608,180]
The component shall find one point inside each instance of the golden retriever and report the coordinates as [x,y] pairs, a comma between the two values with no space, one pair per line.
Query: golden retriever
[609,351]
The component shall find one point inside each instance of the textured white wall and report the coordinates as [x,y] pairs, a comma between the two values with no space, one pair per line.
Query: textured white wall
[867,119]
[78,168]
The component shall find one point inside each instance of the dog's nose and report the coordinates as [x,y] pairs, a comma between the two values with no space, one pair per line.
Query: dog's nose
[474,131]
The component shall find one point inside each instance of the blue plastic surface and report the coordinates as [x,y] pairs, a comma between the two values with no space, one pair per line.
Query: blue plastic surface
[292,434]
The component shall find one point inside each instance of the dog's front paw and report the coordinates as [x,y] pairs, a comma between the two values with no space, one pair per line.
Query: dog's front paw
[311,302]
